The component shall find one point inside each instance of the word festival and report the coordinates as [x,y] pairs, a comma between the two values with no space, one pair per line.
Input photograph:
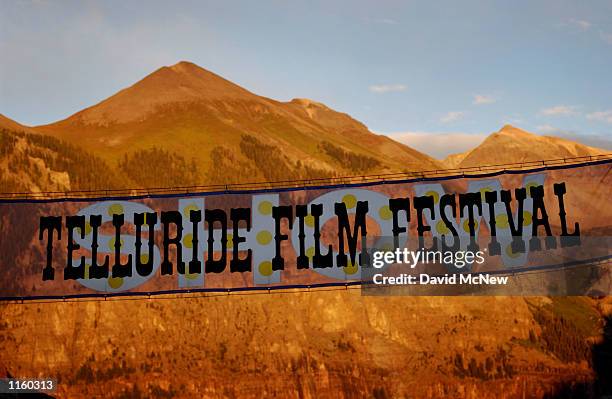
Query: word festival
[351,229]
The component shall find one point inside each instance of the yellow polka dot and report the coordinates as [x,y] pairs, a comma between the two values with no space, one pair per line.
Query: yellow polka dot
[466,225]
[87,266]
[441,228]
[350,200]
[188,240]
[434,194]
[511,253]
[191,207]
[115,209]
[350,268]
[111,244]
[528,187]
[230,240]
[265,268]
[144,258]
[385,213]
[115,282]
[309,220]
[88,228]
[310,252]
[191,276]
[264,237]
[526,218]
[501,221]
[265,207]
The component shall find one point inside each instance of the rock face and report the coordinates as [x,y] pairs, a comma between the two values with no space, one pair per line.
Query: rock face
[511,144]
[301,345]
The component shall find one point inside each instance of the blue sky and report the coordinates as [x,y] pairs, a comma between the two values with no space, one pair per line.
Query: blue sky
[455,70]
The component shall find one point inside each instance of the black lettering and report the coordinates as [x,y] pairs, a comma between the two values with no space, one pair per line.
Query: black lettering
[212,216]
[236,264]
[567,239]
[302,260]
[279,213]
[448,200]
[195,265]
[396,205]
[168,218]
[50,224]
[494,245]
[70,272]
[145,268]
[345,227]
[537,195]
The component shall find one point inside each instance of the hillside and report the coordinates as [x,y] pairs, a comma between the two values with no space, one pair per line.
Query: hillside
[308,345]
[35,163]
[201,117]
[511,144]
[9,124]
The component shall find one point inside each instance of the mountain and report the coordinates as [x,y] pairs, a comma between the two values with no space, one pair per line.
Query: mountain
[9,124]
[512,144]
[188,124]
[198,117]
[34,163]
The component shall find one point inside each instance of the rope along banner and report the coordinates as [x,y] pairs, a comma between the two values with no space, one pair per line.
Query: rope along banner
[514,221]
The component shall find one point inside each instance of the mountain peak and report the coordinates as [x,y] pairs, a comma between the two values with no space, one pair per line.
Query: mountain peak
[189,79]
[511,144]
[509,130]
[181,83]
[185,66]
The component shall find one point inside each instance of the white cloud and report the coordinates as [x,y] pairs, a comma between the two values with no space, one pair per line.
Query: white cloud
[581,24]
[556,131]
[559,110]
[438,144]
[547,129]
[606,37]
[605,116]
[593,140]
[481,99]
[452,116]
[387,88]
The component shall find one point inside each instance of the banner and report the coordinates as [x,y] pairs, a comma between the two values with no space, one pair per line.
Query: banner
[507,222]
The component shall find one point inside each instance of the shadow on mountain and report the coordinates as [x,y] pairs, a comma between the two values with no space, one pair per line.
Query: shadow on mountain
[601,385]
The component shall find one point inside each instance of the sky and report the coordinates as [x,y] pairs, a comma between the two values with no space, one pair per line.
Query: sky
[437,75]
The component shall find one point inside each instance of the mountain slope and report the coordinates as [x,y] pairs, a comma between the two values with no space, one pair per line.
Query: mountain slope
[198,115]
[9,124]
[33,163]
[511,144]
